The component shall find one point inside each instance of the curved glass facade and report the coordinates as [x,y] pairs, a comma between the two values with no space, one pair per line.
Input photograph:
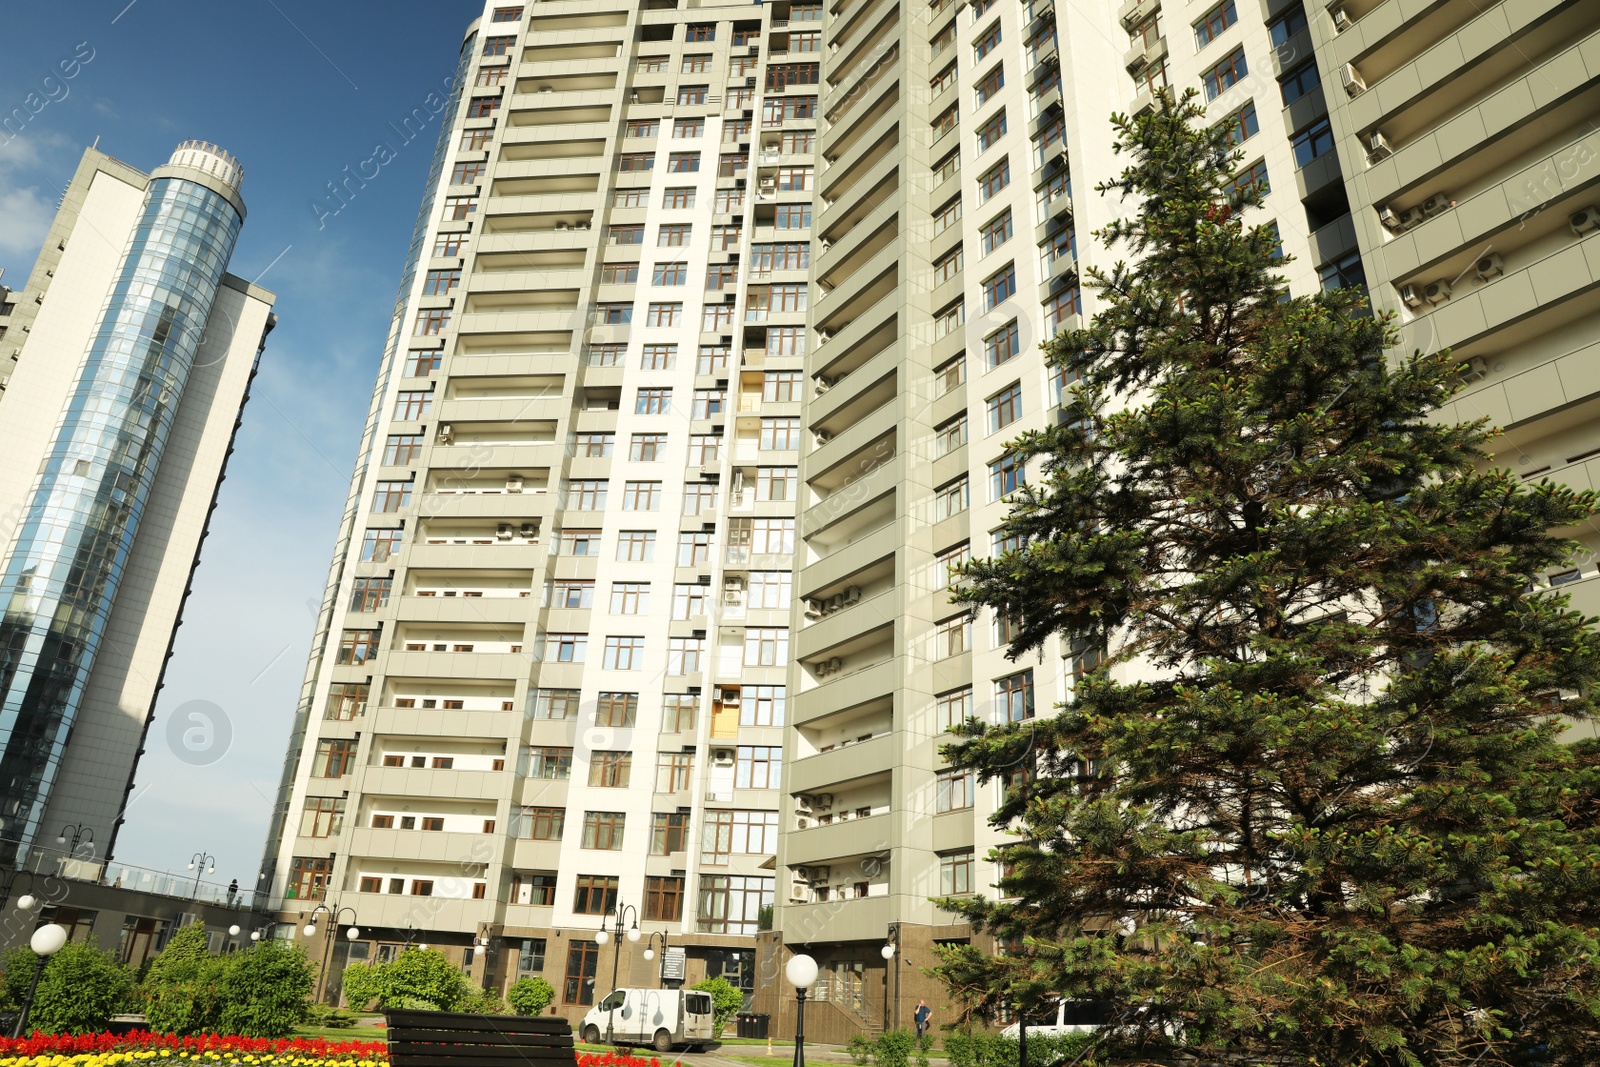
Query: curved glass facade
[61,571]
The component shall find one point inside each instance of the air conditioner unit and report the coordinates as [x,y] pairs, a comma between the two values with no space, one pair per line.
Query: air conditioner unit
[823,384]
[823,437]
[1411,216]
[1585,220]
[798,895]
[813,609]
[833,665]
[1491,266]
[1435,204]
[1341,21]
[503,531]
[802,806]
[824,800]
[1437,292]
[851,596]
[1351,79]
[824,336]
[447,433]
[561,225]
[1390,219]
[1411,295]
[1378,146]
[513,483]
[1473,370]
[722,756]
[528,529]
[546,89]
[1137,60]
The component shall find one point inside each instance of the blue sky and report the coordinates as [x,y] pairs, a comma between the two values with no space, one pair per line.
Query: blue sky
[297,90]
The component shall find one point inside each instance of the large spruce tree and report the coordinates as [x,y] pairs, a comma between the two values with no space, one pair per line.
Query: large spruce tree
[1314,807]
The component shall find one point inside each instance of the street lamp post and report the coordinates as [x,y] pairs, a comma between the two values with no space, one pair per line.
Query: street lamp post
[650,954]
[45,942]
[891,951]
[333,914]
[621,911]
[78,832]
[801,970]
[201,863]
[1022,1035]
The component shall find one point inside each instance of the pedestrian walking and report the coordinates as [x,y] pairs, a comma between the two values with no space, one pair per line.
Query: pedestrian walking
[233,891]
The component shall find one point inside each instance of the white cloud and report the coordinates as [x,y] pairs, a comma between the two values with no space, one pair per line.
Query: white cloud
[34,168]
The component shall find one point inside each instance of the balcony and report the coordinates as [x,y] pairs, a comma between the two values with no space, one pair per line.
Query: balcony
[821,844]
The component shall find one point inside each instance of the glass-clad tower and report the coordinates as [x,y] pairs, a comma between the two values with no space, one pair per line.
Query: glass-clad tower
[67,556]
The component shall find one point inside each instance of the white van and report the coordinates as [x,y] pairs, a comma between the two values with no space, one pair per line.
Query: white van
[1063,1017]
[661,1018]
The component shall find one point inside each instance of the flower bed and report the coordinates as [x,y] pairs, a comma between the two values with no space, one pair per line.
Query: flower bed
[111,1050]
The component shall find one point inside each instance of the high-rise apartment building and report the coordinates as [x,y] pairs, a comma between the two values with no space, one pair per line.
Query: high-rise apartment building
[124,365]
[549,680]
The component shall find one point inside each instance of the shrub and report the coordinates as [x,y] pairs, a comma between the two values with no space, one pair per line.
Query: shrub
[893,1048]
[80,990]
[859,1049]
[726,998]
[418,977]
[264,990]
[180,990]
[530,996]
[482,1002]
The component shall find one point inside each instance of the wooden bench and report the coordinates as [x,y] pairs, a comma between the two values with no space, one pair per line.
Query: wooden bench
[452,1039]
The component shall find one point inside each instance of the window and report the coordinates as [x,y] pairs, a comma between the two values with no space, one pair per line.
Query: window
[1225,75]
[950,436]
[947,167]
[613,313]
[674,235]
[423,363]
[696,63]
[716,317]
[704,449]
[530,957]
[701,31]
[664,314]
[630,598]
[658,356]
[1059,307]
[347,700]
[642,128]
[993,180]
[797,142]
[1286,25]
[357,647]
[480,107]
[391,496]
[990,84]
[1005,407]
[729,201]
[732,164]
[678,712]
[1213,22]
[675,273]
[999,287]
[707,403]
[946,216]
[694,548]
[772,537]
[378,545]
[780,434]
[669,832]
[766,646]
[651,65]
[683,655]
[507,14]
[674,771]
[1313,141]
[586,494]
[369,594]
[440,282]
[636,546]
[946,121]
[656,401]
[335,758]
[663,899]
[1253,176]
[1013,697]
[737,833]
[794,179]
[1002,345]
[953,790]
[566,648]
[780,386]
[630,198]
[322,816]
[762,705]
[1243,124]
[603,830]
[950,499]
[681,196]
[770,590]
[952,637]
[781,76]
[611,769]
[954,707]
[636,162]
[700,498]
[786,109]
[618,274]
[948,266]
[647,448]
[806,12]
[950,375]
[1299,81]
[308,877]
[401,449]
[606,355]
[783,255]
[1346,272]
[732,903]
[949,318]
[996,232]
[498,46]
[720,276]
[792,217]
[622,654]
[1005,540]
[689,601]
[630,234]
[990,132]
[475,140]
[987,41]
[955,873]
[777,483]
[556,704]
[595,895]
[551,764]
[758,767]
[410,405]
[578,543]
[583,958]
[1006,475]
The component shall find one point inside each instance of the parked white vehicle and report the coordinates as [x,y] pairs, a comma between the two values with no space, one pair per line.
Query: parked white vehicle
[661,1018]
[1069,1017]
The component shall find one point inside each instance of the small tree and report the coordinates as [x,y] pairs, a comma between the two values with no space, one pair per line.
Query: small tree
[265,990]
[1327,817]
[80,990]
[530,995]
[181,989]
[417,977]
[726,998]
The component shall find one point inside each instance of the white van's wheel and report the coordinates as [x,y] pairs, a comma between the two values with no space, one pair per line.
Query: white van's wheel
[663,1041]
[591,1036]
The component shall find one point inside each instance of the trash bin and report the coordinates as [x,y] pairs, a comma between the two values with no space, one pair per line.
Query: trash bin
[741,1024]
[759,1024]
